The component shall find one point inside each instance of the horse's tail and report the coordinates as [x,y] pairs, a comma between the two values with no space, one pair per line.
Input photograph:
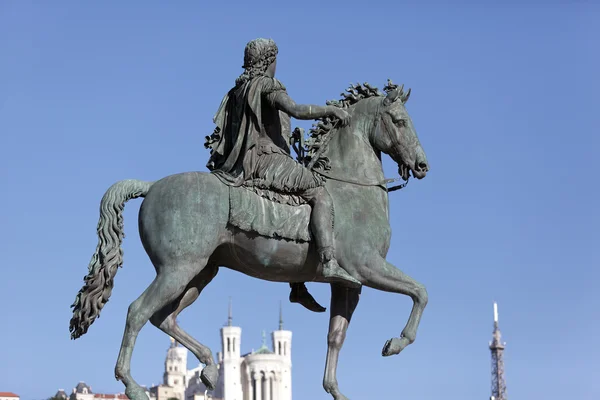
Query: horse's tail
[108,256]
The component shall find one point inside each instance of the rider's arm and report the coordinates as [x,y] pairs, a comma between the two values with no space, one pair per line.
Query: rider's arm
[283,102]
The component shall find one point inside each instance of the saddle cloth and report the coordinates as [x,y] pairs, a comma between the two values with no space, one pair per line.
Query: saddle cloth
[251,212]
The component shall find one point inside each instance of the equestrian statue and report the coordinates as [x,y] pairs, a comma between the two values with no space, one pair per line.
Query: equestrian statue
[320,217]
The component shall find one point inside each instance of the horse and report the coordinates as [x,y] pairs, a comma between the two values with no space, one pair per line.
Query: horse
[185,230]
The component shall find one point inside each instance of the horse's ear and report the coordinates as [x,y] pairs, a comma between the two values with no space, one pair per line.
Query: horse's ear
[406,96]
[391,97]
[393,92]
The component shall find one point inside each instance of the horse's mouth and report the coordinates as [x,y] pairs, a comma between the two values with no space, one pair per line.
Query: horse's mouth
[405,172]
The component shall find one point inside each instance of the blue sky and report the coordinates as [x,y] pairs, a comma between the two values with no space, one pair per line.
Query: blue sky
[505,103]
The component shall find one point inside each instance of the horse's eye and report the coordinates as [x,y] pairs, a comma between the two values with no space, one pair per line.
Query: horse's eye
[399,121]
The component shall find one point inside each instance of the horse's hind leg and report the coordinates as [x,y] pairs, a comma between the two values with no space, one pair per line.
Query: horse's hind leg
[384,276]
[168,285]
[343,303]
[166,320]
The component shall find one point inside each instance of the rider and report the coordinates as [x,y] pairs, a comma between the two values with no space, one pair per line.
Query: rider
[253,148]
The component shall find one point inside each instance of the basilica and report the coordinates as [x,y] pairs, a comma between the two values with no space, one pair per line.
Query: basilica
[263,374]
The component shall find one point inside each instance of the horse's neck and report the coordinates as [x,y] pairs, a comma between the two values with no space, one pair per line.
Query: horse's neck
[351,155]
[354,161]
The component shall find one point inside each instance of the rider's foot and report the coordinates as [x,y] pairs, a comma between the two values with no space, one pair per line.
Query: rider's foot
[334,273]
[299,294]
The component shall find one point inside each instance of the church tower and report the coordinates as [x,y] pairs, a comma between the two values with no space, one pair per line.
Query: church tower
[282,346]
[231,338]
[175,369]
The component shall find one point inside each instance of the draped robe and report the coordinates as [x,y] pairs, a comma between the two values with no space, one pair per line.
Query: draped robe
[249,128]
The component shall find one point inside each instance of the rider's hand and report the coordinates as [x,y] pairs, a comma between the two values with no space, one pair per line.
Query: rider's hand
[342,115]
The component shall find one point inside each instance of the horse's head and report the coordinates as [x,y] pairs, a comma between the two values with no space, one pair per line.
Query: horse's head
[395,135]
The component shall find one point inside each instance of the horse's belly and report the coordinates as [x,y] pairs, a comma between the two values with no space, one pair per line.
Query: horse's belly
[267,258]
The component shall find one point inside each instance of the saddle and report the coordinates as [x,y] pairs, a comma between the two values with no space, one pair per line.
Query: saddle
[269,214]
[255,208]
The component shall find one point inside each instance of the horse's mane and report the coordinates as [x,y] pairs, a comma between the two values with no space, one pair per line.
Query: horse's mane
[320,131]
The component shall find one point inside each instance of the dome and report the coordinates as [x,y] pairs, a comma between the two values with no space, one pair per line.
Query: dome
[83,387]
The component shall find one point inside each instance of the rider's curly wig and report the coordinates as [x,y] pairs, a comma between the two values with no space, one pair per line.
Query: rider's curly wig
[258,55]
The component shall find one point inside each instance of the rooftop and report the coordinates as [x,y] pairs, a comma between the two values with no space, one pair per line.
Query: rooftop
[263,348]
[81,386]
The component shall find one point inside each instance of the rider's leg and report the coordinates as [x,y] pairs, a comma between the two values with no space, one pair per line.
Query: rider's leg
[281,173]
[321,222]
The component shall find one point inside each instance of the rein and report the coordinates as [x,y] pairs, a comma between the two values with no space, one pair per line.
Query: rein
[381,184]
[397,187]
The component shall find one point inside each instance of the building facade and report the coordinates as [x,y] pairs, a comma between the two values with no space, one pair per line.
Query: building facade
[264,374]
[84,392]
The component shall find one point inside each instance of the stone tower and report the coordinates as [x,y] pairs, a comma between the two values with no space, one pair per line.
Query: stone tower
[231,337]
[282,346]
[176,369]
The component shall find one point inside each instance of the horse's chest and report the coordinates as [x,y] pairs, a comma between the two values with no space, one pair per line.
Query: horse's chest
[362,223]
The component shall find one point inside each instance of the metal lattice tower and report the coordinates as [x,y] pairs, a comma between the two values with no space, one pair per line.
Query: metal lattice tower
[497,349]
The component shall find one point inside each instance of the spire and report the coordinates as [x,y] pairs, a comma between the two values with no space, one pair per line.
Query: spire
[264,339]
[229,317]
[495,312]
[280,316]
[497,350]
[496,343]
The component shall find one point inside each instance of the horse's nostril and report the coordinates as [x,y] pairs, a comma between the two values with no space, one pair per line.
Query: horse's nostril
[423,166]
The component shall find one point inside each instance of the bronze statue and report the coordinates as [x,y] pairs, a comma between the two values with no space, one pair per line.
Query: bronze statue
[264,214]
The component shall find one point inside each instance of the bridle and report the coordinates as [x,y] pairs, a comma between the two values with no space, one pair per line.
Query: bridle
[394,154]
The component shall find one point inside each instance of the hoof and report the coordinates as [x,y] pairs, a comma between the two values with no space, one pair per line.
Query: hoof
[334,391]
[209,376]
[119,374]
[394,346]
[136,393]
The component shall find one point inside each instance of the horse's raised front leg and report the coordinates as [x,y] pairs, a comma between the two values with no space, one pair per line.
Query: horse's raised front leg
[166,321]
[382,275]
[343,303]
